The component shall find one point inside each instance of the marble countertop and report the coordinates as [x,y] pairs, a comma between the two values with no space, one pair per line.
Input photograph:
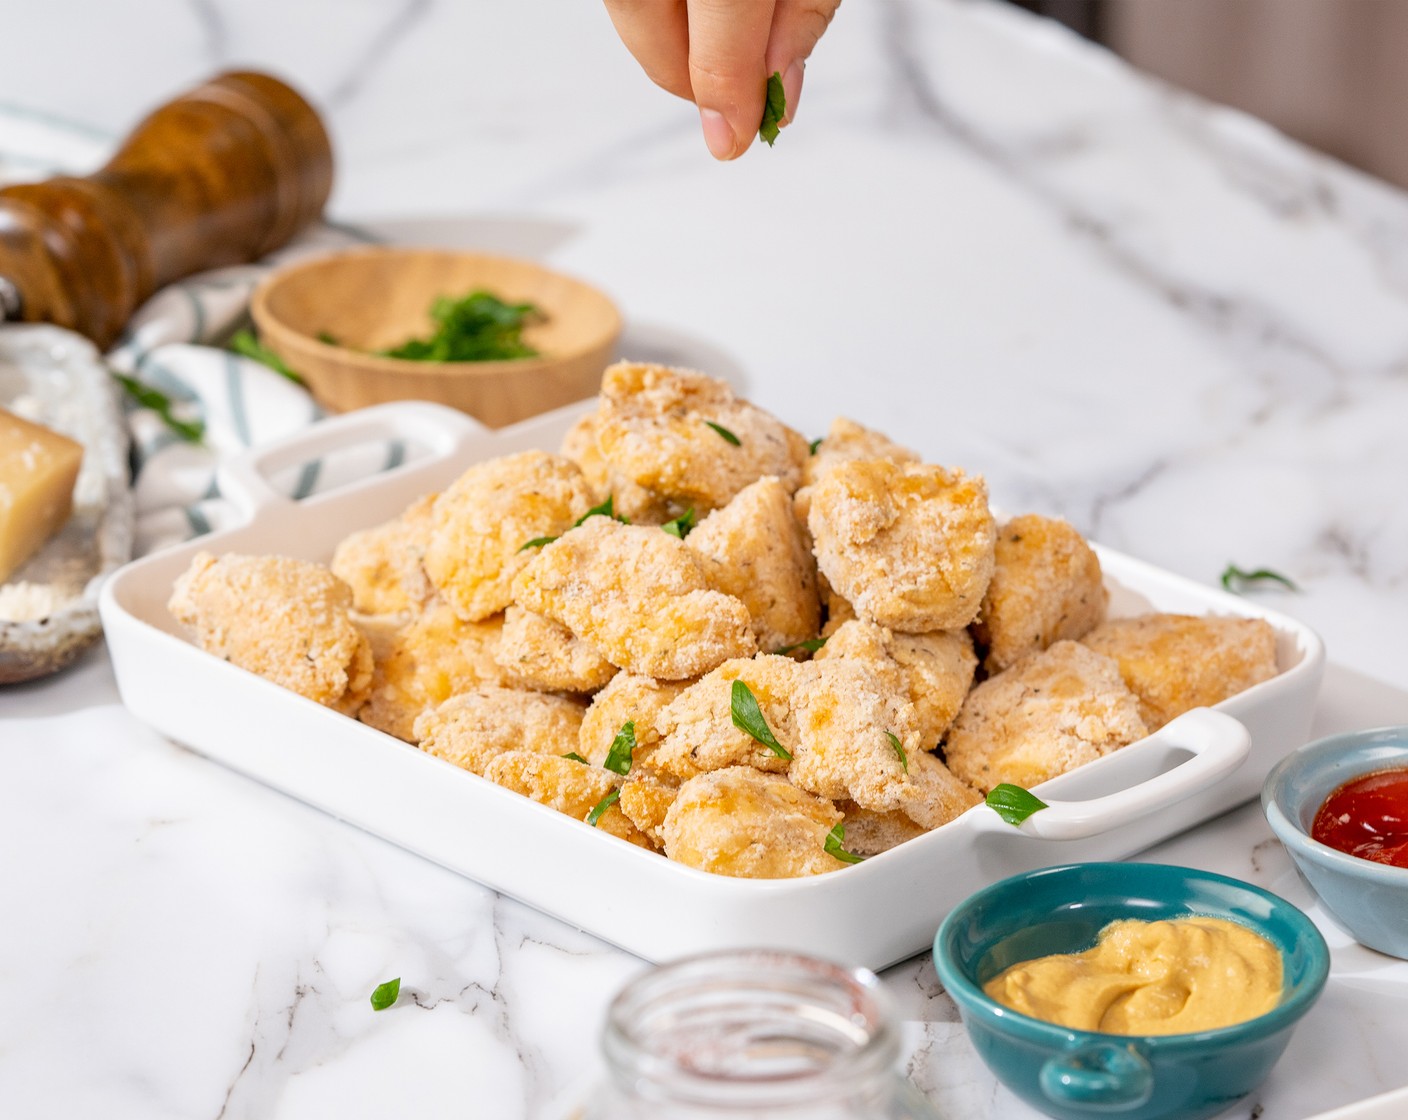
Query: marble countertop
[991,240]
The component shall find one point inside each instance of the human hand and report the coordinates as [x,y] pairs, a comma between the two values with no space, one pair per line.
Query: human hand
[719,53]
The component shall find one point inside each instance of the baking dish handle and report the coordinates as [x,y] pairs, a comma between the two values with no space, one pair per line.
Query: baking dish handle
[1218,743]
[244,480]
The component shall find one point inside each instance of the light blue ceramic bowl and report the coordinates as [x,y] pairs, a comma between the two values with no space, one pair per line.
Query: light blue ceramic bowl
[1080,1075]
[1369,899]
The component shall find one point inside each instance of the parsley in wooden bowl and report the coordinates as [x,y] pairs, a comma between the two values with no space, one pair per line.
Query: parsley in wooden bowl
[499,338]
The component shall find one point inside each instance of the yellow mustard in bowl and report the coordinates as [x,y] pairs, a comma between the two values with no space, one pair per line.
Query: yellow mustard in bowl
[1170,977]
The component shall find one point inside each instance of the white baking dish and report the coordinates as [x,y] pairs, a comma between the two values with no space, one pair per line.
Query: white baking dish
[873,913]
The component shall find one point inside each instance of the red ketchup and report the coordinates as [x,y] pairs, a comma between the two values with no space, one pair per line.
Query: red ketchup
[1368,818]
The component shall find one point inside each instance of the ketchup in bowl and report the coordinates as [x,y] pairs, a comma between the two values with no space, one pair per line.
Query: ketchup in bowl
[1368,818]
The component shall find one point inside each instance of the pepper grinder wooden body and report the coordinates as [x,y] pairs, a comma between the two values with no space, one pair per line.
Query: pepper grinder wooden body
[222,175]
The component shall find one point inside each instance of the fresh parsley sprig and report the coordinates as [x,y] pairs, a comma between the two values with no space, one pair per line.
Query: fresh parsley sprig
[681,525]
[748,718]
[606,509]
[599,809]
[480,327]
[835,846]
[623,746]
[725,433]
[899,750]
[811,447]
[192,431]
[1013,803]
[774,109]
[1235,580]
[575,757]
[536,542]
[811,645]
[384,995]
[247,346]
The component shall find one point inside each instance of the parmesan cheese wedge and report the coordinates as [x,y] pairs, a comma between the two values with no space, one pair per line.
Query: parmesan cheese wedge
[38,468]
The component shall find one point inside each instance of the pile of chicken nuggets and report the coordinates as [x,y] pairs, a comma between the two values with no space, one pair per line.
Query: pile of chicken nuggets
[697,632]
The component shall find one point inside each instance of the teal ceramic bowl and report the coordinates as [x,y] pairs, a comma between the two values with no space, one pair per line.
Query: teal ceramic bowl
[1080,1075]
[1369,899]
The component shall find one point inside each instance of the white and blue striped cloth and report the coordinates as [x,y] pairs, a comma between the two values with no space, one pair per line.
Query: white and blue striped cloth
[175,343]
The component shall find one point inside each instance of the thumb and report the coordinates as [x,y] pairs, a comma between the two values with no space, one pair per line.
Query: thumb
[727,43]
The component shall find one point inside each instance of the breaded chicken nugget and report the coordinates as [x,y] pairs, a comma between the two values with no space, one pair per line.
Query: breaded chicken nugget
[287,620]
[697,731]
[481,523]
[633,502]
[536,652]
[1049,713]
[869,833]
[654,430]
[473,728]
[934,670]
[750,825]
[628,698]
[934,795]
[637,595]
[566,785]
[845,441]
[1045,587]
[425,663]
[754,550]
[836,610]
[382,565]
[910,546]
[1174,662]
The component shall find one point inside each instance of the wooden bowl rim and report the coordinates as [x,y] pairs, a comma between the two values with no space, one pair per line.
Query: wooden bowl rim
[609,327]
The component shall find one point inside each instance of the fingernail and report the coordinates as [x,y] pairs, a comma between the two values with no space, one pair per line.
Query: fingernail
[717,134]
[792,87]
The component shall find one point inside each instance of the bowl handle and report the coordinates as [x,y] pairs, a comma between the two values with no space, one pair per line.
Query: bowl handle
[1218,743]
[244,480]
[1100,1076]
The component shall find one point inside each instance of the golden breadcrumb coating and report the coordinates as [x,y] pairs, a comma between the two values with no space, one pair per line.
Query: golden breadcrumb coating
[869,833]
[425,663]
[1045,587]
[628,698]
[836,610]
[934,794]
[1049,713]
[646,797]
[637,595]
[754,550]
[846,440]
[566,785]
[473,728]
[1174,662]
[742,822]
[654,430]
[910,546]
[697,731]
[536,652]
[631,501]
[382,565]
[934,670]
[287,620]
[481,523]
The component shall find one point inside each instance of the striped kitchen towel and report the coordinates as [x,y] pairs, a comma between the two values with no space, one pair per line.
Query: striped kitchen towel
[176,344]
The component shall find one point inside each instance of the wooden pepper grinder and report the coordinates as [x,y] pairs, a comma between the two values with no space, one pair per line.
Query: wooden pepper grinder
[222,175]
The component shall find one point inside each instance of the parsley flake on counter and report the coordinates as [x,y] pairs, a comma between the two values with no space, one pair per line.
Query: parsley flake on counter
[246,345]
[748,718]
[575,757]
[899,750]
[386,994]
[618,758]
[536,542]
[1013,803]
[599,809]
[192,431]
[681,525]
[479,327]
[811,645]
[835,846]
[728,435]
[774,109]
[811,447]
[1235,580]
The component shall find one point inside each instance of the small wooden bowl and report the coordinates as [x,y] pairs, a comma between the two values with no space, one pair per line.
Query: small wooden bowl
[376,298]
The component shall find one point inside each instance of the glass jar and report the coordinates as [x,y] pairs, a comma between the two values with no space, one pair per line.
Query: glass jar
[753,1034]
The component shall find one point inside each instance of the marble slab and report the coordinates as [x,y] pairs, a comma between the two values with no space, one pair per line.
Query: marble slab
[1154,317]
